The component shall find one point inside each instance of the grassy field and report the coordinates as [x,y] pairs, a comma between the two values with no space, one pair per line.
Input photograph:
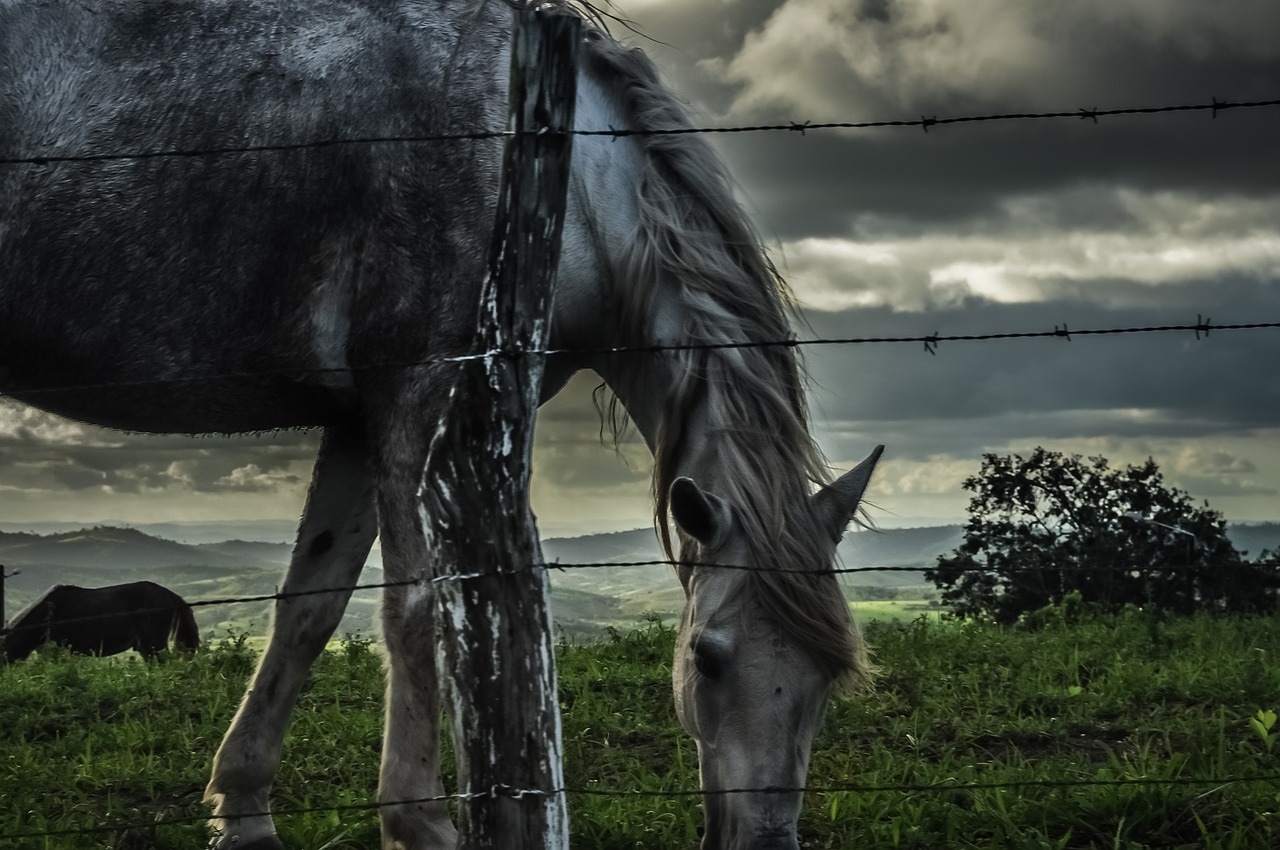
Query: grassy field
[88,743]
[896,610]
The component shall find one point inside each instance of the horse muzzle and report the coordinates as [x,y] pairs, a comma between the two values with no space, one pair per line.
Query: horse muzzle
[751,822]
[768,839]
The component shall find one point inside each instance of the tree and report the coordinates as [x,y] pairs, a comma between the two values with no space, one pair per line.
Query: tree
[1043,526]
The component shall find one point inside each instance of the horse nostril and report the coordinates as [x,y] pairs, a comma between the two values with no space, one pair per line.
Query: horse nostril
[775,838]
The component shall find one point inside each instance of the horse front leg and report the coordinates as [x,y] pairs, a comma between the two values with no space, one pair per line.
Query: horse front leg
[411,736]
[337,530]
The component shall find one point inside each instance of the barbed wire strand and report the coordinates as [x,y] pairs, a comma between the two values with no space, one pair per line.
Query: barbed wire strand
[1215,106]
[499,791]
[1201,328]
[833,571]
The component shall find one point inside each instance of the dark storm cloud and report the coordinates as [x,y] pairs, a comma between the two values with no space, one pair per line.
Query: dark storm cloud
[823,60]
[820,185]
[1214,487]
[1185,387]
[39,451]
[922,56]
[74,477]
[686,30]
[965,229]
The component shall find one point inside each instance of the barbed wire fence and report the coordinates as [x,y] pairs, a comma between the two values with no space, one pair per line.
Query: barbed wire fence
[518,793]
[500,791]
[1214,107]
[930,343]
[556,566]
[1202,328]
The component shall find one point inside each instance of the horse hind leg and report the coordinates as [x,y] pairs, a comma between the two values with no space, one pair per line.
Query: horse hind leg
[337,530]
[411,742]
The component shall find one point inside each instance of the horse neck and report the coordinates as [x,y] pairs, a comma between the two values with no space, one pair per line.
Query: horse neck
[618,286]
[677,430]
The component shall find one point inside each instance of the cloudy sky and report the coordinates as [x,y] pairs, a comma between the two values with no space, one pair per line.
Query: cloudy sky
[974,228]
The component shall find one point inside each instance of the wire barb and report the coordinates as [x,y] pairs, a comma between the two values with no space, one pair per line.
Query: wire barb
[1202,326]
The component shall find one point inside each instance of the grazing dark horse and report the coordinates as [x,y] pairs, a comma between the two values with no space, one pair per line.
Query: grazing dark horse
[321,285]
[139,615]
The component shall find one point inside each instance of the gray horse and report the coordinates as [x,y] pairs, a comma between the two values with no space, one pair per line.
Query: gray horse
[245,279]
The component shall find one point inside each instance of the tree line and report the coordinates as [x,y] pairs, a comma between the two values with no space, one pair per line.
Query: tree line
[1055,527]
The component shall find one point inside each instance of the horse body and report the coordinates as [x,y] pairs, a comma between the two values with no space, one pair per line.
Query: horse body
[328,286]
[171,276]
[140,615]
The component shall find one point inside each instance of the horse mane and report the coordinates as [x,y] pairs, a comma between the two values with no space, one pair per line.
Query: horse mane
[692,230]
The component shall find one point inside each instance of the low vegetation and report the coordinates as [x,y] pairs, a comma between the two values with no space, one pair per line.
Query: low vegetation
[1137,709]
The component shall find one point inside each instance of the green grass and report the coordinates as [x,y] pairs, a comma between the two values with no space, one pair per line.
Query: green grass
[896,610]
[91,742]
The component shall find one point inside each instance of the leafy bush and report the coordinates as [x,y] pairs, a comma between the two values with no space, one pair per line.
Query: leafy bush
[1050,525]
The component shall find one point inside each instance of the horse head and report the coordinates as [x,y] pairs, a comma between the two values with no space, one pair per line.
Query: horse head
[747,690]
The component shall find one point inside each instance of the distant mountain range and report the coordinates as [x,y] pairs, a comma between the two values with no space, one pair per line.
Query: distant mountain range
[128,548]
[584,599]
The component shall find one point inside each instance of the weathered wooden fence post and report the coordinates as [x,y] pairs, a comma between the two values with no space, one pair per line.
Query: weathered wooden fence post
[495,630]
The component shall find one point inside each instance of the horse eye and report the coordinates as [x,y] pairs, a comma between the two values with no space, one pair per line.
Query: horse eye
[709,659]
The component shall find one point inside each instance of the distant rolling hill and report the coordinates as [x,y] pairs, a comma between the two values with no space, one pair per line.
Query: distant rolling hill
[251,551]
[584,599]
[103,546]
[634,590]
[897,547]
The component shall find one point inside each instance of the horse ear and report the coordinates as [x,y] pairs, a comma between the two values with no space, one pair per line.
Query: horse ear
[835,504]
[703,516]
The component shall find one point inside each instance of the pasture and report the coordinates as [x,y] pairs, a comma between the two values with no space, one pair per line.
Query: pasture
[89,743]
